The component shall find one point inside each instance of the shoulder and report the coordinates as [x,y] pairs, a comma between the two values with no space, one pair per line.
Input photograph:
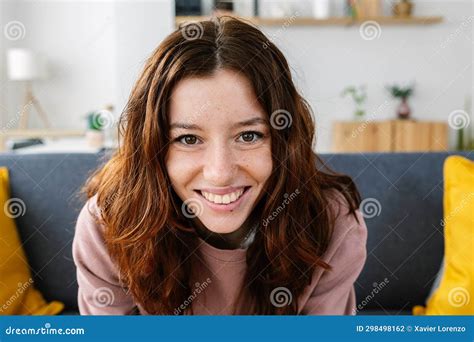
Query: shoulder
[89,247]
[88,228]
[349,235]
[90,211]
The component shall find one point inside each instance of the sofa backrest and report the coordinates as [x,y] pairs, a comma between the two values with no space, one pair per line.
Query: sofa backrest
[405,241]
[406,238]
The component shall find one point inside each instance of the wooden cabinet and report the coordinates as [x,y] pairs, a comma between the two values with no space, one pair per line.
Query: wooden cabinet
[389,136]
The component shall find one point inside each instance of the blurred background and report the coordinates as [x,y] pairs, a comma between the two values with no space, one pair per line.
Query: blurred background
[380,75]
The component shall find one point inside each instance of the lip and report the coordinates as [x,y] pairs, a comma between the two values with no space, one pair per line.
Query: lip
[226,207]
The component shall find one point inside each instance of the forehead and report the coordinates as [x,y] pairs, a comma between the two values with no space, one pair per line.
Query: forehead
[226,96]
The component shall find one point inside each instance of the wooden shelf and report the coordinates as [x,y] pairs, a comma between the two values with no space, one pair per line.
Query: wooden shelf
[334,21]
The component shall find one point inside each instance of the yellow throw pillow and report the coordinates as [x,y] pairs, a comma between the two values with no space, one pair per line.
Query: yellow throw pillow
[18,296]
[455,294]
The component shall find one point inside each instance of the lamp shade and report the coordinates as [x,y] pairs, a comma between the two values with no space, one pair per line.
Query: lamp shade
[23,65]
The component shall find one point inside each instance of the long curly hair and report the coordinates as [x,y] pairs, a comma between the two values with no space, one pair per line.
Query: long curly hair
[146,233]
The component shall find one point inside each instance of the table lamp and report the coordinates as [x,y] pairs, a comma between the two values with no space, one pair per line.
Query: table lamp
[23,65]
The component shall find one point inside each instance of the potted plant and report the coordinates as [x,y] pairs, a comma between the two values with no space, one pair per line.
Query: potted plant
[95,130]
[465,137]
[403,93]
[359,96]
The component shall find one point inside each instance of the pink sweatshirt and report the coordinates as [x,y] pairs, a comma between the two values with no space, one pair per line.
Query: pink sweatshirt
[221,274]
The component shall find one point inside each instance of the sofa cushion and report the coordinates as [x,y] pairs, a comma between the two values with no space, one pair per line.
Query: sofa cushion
[455,291]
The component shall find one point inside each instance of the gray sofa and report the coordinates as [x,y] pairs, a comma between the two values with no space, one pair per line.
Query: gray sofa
[405,241]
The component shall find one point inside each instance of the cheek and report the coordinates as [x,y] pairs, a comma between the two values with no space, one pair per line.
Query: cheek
[259,165]
[179,170]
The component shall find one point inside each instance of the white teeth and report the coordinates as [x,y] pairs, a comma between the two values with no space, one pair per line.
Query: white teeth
[225,199]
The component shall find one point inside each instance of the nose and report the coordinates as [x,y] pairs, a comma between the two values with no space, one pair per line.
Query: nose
[220,165]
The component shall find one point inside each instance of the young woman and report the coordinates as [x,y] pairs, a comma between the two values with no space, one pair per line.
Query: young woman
[215,202]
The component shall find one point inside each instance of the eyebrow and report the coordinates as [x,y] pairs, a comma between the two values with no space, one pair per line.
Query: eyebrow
[250,122]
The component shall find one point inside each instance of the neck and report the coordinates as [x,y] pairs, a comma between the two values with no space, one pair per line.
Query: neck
[232,240]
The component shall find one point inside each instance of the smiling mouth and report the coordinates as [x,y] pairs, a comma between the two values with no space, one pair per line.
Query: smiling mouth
[223,199]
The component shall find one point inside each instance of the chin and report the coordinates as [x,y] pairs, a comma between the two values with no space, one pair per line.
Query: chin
[219,227]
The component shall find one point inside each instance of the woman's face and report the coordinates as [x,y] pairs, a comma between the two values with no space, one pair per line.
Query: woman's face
[219,156]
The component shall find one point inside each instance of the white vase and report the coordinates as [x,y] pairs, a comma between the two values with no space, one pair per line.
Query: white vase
[321,9]
[94,138]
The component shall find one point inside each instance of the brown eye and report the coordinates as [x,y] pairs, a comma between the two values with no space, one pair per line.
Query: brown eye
[190,139]
[187,139]
[250,137]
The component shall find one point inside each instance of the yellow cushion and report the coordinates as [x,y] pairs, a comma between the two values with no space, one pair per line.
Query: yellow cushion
[17,293]
[455,294]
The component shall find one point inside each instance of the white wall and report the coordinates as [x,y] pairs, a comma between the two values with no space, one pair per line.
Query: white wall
[438,57]
[96,50]
[6,12]
[139,30]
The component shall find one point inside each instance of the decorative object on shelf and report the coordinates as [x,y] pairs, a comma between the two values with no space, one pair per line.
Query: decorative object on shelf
[351,9]
[24,65]
[403,110]
[465,135]
[359,96]
[244,8]
[23,143]
[256,8]
[223,7]
[367,8]
[321,9]
[403,8]
[278,9]
[97,123]
[188,7]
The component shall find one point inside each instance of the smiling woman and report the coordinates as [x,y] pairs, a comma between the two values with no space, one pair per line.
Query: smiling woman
[215,202]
